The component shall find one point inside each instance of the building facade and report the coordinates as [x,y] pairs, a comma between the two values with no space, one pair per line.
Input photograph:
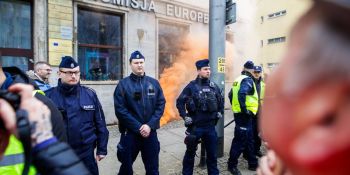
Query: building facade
[100,35]
[274,21]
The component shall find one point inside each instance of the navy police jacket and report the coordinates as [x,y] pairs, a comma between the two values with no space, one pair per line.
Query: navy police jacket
[83,117]
[138,100]
[194,93]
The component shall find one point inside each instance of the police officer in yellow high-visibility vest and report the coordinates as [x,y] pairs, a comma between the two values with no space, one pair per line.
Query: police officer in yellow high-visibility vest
[245,102]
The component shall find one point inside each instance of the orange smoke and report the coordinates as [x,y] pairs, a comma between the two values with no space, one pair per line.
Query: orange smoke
[182,71]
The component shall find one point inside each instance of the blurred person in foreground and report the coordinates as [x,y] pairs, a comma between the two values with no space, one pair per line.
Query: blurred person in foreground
[48,154]
[305,117]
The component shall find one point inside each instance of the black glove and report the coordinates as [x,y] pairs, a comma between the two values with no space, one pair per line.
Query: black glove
[188,121]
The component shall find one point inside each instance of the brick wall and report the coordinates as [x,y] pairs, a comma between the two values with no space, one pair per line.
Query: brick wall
[60,19]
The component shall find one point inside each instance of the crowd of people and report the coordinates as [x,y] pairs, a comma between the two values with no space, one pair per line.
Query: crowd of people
[301,117]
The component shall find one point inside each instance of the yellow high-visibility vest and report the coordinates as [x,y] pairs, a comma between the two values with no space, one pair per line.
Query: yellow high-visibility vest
[13,161]
[251,102]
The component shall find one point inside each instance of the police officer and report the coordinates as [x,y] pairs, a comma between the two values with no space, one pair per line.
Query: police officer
[200,104]
[82,112]
[139,104]
[260,87]
[244,100]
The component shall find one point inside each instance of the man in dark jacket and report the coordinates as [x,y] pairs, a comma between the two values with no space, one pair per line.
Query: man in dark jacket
[245,102]
[201,104]
[82,112]
[139,103]
[49,155]
[41,74]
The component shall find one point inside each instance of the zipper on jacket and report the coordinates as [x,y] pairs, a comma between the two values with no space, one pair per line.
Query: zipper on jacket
[143,100]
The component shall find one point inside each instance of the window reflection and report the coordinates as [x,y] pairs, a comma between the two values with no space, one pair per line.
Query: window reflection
[15,20]
[20,62]
[100,45]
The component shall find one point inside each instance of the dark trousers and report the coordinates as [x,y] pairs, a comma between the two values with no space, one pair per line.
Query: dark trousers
[209,138]
[257,139]
[243,139]
[129,147]
[90,162]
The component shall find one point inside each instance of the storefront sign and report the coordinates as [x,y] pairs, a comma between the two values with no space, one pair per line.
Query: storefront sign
[171,10]
[186,13]
[144,5]
[66,32]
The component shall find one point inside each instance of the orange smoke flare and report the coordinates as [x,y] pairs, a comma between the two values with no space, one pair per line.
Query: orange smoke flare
[182,71]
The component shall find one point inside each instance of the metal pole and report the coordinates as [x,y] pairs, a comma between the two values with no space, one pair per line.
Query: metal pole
[217,34]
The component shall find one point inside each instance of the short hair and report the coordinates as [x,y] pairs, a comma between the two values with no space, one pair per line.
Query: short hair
[38,64]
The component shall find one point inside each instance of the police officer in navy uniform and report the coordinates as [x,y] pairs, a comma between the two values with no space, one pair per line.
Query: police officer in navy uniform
[200,104]
[244,99]
[139,104]
[260,87]
[83,115]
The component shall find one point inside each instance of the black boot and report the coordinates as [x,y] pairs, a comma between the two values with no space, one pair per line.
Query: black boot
[234,171]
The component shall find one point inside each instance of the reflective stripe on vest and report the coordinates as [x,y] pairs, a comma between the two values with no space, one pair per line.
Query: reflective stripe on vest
[12,159]
[251,101]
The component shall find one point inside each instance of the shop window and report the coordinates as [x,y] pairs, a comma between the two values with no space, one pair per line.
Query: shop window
[100,45]
[16,33]
[171,38]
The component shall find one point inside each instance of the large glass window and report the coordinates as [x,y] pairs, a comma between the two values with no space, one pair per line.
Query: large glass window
[100,45]
[171,39]
[16,33]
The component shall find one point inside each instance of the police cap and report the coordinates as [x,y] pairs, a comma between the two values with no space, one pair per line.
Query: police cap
[249,65]
[202,63]
[257,69]
[68,62]
[136,55]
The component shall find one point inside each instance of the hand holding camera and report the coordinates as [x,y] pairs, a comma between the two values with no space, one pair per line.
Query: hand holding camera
[38,115]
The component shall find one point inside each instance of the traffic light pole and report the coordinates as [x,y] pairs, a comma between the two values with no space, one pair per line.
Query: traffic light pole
[217,34]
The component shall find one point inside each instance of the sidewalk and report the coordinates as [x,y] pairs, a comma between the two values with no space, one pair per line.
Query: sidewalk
[171,153]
